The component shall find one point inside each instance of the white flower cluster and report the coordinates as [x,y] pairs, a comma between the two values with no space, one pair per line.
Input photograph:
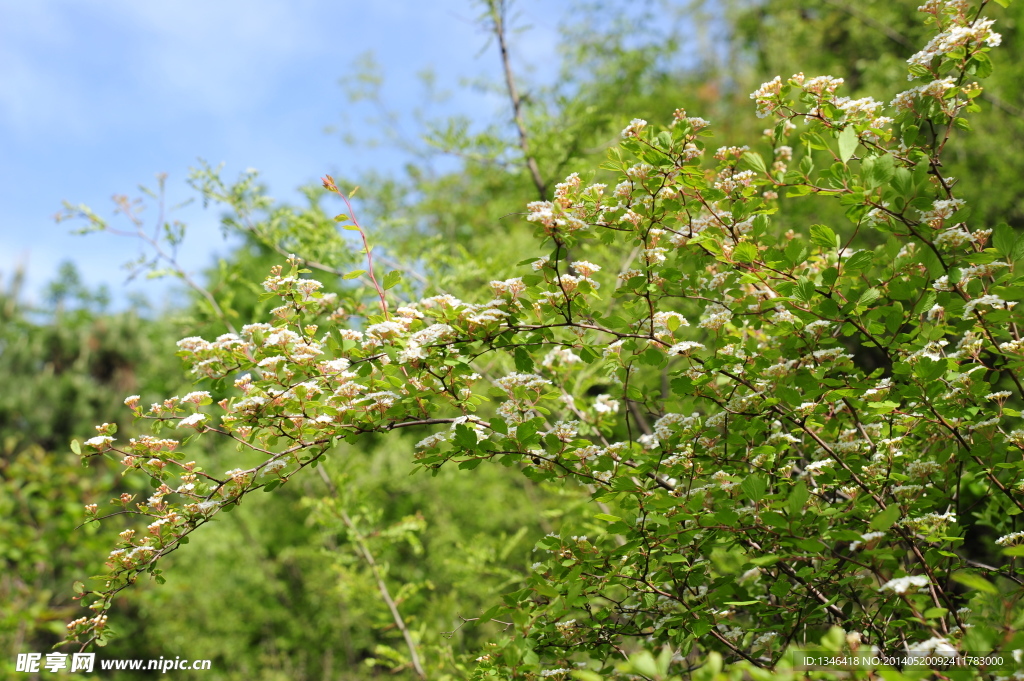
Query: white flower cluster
[902,585]
[929,521]
[767,97]
[936,646]
[935,89]
[960,34]
[565,431]
[604,404]
[685,347]
[954,237]
[192,420]
[559,355]
[715,317]
[993,301]
[817,466]
[634,128]
[517,380]
[942,209]
[1012,539]
[866,539]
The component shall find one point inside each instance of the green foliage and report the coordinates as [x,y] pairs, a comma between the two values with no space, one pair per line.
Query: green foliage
[788,431]
[66,366]
[840,330]
[71,363]
[867,44]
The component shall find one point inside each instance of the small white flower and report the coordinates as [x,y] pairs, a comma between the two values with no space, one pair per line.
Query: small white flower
[604,404]
[1011,539]
[901,585]
[685,347]
[273,467]
[633,129]
[191,420]
[816,467]
[866,538]
[933,646]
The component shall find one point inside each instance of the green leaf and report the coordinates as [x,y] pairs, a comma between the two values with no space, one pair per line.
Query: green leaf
[883,407]
[929,370]
[883,169]
[795,252]
[755,161]
[1018,249]
[727,517]
[76,447]
[861,260]
[973,581]
[524,363]
[353,274]
[805,291]
[823,236]
[584,675]
[340,217]
[910,134]
[489,614]
[391,279]
[902,181]
[869,296]
[745,252]
[886,519]
[754,487]
[1004,238]
[608,518]
[797,498]
[847,143]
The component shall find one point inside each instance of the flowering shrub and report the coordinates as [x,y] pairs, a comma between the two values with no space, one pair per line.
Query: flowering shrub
[782,432]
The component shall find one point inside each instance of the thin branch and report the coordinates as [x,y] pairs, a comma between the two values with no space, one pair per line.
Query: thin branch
[382,586]
[498,9]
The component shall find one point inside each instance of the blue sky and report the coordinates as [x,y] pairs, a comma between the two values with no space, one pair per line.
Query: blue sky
[98,96]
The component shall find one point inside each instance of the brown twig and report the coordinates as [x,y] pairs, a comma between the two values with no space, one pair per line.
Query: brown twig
[382,586]
[330,186]
[497,10]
